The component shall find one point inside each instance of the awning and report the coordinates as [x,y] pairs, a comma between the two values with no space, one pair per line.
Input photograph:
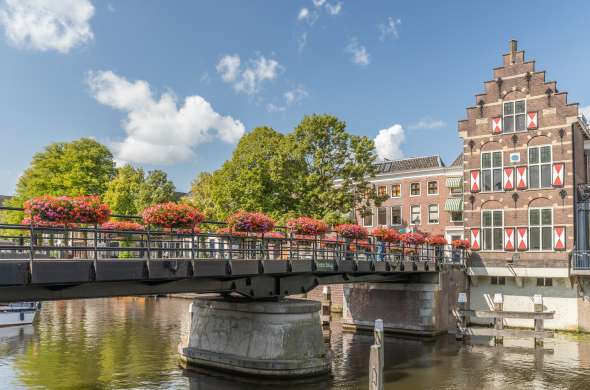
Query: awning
[454,204]
[455,182]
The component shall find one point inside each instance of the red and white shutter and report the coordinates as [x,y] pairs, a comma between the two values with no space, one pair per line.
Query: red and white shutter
[509,239]
[474,180]
[521,178]
[522,238]
[559,238]
[497,125]
[532,120]
[508,179]
[475,239]
[558,174]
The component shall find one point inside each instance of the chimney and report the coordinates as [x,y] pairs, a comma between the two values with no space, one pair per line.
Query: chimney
[513,49]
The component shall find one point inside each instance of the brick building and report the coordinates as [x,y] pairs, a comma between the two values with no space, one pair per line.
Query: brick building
[523,159]
[422,194]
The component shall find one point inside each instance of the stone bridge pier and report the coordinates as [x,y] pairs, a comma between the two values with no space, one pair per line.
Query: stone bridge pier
[275,338]
[424,305]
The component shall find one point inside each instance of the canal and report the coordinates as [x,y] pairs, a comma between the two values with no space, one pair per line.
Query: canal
[131,343]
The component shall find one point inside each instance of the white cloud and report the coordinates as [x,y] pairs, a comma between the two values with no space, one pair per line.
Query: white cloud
[158,131]
[47,24]
[290,97]
[228,67]
[334,9]
[360,56]
[388,142]
[248,79]
[390,29]
[318,3]
[305,15]
[302,41]
[429,123]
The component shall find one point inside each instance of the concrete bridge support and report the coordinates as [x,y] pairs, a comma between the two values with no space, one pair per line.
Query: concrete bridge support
[425,305]
[269,338]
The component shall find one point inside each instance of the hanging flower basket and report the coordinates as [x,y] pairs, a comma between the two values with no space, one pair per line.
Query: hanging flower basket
[66,210]
[251,222]
[436,240]
[172,216]
[413,238]
[228,232]
[351,231]
[41,223]
[121,226]
[307,226]
[386,234]
[460,244]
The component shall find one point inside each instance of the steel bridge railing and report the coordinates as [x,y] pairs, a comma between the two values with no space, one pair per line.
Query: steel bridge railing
[580,260]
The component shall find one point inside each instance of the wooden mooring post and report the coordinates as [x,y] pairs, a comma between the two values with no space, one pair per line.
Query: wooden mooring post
[539,322]
[326,305]
[462,321]
[377,358]
[499,319]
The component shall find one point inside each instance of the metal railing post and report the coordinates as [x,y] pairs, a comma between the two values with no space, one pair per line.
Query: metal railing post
[149,243]
[32,245]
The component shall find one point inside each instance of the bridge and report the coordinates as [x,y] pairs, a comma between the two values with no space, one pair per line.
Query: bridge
[250,327]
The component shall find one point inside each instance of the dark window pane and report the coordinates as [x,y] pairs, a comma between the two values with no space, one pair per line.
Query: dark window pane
[520,122]
[546,217]
[486,218]
[486,180]
[546,239]
[502,280]
[519,107]
[546,154]
[533,155]
[497,159]
[498,239]
[508,108]
[540,282]
[497,218]
[546,175]
[534,217]
[486,160]
[487,239]
[535,238]
[497,180]
[382,216]
[508,124]
[395,190]
[368,220]
[396,215]
[548,282]
[534,176]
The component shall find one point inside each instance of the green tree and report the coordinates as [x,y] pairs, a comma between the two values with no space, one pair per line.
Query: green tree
[122,191]
[156,188]
[337,168]
[200,195]
[80,167]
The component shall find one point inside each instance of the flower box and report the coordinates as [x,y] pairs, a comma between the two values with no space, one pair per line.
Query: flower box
[307,226]
[386,234]
[252,222]
[173,216]
[352,231]
[436,240]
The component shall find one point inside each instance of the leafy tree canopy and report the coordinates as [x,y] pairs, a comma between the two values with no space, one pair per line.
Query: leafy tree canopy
[156,188]
[121,194]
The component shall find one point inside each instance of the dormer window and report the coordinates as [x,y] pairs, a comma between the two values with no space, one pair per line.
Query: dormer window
[514,117]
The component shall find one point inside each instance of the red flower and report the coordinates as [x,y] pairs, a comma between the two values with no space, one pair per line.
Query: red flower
[351,231]
[460,244]
[307,226]
[246,221]
[172,215]
[413,238]
[66,210]
[436,240]
[386,234]
[121,225]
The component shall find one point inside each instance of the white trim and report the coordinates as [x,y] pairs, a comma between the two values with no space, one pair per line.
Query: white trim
[481,228]
[521,272]
[391,191]
[417,173]
[428,189]
[437,213]
[401,215]
[410,222]
[419,188]
[386,189]
[491,169]
[513,115]
[540,226]
[386,214]
[528,160]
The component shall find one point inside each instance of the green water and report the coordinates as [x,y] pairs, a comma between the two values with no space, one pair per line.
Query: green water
[131,343]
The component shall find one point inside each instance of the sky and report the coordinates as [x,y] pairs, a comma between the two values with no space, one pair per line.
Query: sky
[174,85]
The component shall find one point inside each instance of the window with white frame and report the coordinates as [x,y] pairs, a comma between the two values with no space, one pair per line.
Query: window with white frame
[396,190]
[415,215]
[514,118]
[414,189]
[433,188]
[433,213]
[382,190]
[492,227]
[541,229]
[368,219]
[540,160]
[456,216]
[381,216]
[491,171]
[396,215]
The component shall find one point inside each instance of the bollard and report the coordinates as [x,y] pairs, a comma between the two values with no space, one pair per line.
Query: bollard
[376,358]
[326,305]
[462,322]
[499,321]
[539,323]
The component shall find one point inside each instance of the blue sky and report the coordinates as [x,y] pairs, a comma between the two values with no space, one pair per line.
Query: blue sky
[173,87]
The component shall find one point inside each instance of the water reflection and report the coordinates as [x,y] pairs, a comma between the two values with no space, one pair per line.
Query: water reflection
[131,343]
